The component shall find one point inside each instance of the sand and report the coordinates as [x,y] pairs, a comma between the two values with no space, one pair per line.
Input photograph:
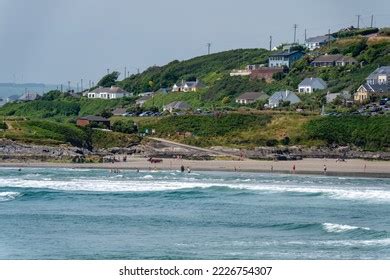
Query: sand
[354,167]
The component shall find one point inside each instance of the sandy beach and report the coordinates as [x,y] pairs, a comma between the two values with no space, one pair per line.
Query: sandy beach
[353,167]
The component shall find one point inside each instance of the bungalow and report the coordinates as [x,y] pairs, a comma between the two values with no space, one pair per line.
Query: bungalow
[93,120]
[318,41]
[310,85]
[330,60]
[366,90]
[380,76]
[331,97]
[177,106]
[187,86]
[285,58]
[119,111]
[141,101]
[29,96]
[282,96]
[108,93]
[251,97]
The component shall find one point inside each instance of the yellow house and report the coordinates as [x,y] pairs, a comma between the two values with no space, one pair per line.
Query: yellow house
[366,90]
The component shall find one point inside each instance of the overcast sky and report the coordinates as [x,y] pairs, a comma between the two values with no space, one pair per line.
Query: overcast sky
[53,41]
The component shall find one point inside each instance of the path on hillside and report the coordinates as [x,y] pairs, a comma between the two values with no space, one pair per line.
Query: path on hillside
[211,152]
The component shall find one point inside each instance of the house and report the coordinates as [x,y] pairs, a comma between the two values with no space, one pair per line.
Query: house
[108,93]
[93,121]
[251,97]
[330,60]
[141,101]
[366,90]
[29,96]
[266,73]
[318,41]
[310,85]
[149,93]
[119,111]
[12,98]
[187,86]
[282,96]
[177,106]
[331,97]
[284,58]
[240,72]
[379,76]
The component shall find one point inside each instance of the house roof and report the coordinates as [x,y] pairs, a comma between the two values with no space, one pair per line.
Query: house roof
[328,58]
[330,97]
[29,96]
[119,111]
[285,95]
[376,88]
[384,70]
[112,89]
[347,59]
[253,96]
[284,53]
[319,39]
[313,82]
[94,119]
[144,98]
[177,105]
[190,84]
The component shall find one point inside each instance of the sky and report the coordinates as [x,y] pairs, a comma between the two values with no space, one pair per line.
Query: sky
[55,41]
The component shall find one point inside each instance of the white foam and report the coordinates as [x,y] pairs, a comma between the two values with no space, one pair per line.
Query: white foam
[377,194]
[337,228]
[7,196]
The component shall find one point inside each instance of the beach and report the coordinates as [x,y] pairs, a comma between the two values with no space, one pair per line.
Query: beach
[353,167]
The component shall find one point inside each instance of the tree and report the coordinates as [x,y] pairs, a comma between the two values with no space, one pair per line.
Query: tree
[226,100]
[106,114]
[109,79]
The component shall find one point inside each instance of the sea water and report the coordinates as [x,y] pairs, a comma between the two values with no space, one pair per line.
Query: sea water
[95,214]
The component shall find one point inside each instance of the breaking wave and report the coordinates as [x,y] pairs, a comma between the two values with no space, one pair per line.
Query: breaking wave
[7,196]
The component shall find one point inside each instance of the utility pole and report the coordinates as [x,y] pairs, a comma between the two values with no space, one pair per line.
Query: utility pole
[125,71]
[295,32]
[89,83]
[305,35]
[270,43]
[358,16]
[137,70]
[69,86]
[208,48]
[61,88]
[77,87]
[81,82]
[329,38]
[372,21]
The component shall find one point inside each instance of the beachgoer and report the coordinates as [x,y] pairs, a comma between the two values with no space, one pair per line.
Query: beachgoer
[272,168]
[188,169]
[293,168]
[137,170]
[182,168]
[325,168]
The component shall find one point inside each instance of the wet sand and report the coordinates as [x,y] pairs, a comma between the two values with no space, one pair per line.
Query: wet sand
[354,167]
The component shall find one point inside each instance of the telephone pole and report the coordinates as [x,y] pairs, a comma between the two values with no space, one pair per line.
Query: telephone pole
[329,38]
[69,86]
[358,16]
[372,21]
[305,35]
[208,48]
[270,43]
[81,83]
[125,71]
[295,32]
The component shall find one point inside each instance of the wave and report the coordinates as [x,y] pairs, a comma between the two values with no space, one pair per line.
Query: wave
[337,228]
[148,183]
[8,196]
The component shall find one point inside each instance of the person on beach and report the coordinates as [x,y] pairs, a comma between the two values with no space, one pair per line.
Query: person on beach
[188,169]
[272,168]
[325,169]
[182,168]
[293,168]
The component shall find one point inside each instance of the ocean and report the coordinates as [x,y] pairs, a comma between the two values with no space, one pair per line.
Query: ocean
[94,214]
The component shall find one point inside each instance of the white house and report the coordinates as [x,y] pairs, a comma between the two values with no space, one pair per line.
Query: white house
[108,93]
[186,86]
[310,85]
[177,106]
[379,76]
[251,97]
[318,41]
[282,96]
